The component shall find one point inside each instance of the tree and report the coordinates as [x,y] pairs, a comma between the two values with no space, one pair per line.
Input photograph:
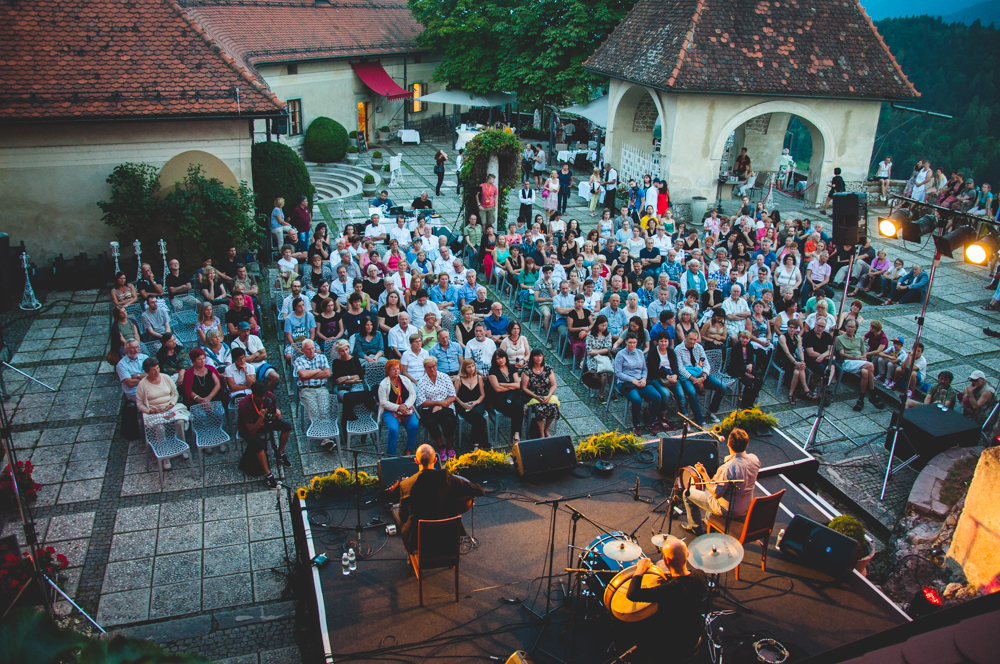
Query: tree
[278,172]
[534,49]
[325,141]
[134,205]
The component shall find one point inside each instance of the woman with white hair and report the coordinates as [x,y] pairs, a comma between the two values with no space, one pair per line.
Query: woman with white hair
[633,308]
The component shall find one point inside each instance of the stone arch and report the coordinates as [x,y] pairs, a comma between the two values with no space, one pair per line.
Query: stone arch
[632,112]
[213,167]
[824,143]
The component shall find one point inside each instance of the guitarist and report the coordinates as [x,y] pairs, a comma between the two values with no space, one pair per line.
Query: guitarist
[431,495]
[679,596]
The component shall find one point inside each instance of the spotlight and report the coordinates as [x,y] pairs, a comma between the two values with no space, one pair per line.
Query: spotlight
[982,249]
[958,238]
[925,602]
[889,226]
[912,232]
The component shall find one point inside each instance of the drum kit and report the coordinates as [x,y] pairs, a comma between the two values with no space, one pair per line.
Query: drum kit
[608,563]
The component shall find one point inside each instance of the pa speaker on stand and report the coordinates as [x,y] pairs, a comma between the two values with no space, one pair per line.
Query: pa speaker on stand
[850,218]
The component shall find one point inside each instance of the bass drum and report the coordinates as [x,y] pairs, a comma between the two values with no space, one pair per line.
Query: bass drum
[603,568]
[619,606]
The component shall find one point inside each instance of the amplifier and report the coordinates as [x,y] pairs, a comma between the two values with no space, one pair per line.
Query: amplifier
[542,455]
[705,450]
[814,545]
[930,430]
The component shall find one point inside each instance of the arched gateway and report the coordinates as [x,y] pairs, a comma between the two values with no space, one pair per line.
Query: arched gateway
[720,75]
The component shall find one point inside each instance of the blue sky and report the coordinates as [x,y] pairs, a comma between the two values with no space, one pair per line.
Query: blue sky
[879,9]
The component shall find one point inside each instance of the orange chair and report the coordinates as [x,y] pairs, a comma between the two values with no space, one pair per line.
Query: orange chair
[757,524]
[437,548]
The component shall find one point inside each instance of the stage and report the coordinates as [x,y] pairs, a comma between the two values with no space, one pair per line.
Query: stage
[373,615]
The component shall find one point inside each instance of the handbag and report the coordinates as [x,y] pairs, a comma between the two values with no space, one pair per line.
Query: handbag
[439,168]
[545,193]
[603,363]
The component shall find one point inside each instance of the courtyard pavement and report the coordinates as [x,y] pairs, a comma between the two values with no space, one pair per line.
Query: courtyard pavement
[190,566]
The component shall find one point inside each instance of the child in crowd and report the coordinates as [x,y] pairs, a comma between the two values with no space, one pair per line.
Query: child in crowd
[288,268]
[887,360]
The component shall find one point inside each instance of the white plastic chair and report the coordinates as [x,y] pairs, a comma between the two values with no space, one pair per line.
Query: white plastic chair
[207,422]
[363,425]
[321,417]
[160,434]
[395,170]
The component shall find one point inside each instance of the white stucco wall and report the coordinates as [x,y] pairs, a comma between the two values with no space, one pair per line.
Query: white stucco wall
[53,175]
[696,127]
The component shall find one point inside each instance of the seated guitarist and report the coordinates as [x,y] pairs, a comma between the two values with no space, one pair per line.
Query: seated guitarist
[430,495]
[679,596]
[730,491]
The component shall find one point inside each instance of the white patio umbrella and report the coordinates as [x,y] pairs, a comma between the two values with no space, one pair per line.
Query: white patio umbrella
[595,111]
[463,98]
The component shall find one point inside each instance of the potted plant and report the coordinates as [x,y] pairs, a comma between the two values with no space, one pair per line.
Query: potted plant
[29,488]
[352,154]
[385,169]
[368,186]
[352,137]
[479,464]
[750,420]
[848,525]
[376,159]
[337,483]
[606,444]
[16,572]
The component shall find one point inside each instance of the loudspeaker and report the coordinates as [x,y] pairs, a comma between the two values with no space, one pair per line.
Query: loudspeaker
[814,545]
[930,431]
[393,469]
[850,218]
[280,125]
[695,449]
[543,455]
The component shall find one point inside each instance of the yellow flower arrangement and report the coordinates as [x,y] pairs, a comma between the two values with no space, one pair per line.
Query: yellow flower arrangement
[606,444]
[480,460]
[750,418]
[339,481]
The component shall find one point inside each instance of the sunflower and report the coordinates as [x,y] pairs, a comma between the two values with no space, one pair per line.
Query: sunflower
[302,493]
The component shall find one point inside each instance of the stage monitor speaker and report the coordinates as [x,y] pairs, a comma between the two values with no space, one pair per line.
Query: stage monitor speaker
[393,469]
[930,431]
[542,455]
[814,545]
[850,218]
[705,450]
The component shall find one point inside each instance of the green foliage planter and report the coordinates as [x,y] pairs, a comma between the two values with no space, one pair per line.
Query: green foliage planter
[352,154]
[750,420]
[368,185]
[606,444]
[376,159]
[325,141]
[278,172]
[848,525]
[480,463]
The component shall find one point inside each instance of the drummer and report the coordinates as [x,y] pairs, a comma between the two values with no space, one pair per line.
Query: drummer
[679,597]
[730,492]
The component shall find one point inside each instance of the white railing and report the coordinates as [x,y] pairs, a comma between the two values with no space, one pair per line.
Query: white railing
[635,164]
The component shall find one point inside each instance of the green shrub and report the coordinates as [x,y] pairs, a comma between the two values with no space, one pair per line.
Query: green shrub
[386,168]
[376,155]
[352,149]
[384,129]
[848,525]
[325,141]
[352,134]
[278,172]
[369,179]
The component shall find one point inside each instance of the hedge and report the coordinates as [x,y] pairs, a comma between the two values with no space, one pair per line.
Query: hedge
[279,172]
[325,141]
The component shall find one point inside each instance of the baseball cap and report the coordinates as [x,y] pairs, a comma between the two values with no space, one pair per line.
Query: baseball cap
[899,339]
[243,325]
[977,374]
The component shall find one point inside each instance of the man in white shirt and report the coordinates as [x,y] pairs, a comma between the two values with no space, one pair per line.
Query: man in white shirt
[375,230]
[343,258]
[422,306]
[256,355]
[400,233]
[818,274]
[342,286]
[609,178]
[286,304]
[481,349]
[737,311]
[443,262]
[662,241]
[457,270]
[558,271]
[399,336]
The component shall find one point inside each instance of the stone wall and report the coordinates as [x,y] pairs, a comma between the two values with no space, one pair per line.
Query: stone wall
[976,544]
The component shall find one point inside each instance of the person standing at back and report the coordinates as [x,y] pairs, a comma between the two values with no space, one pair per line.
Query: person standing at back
[565,186]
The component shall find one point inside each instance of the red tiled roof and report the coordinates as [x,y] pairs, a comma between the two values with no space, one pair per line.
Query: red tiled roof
[269,31]
[118,58]
[809,48]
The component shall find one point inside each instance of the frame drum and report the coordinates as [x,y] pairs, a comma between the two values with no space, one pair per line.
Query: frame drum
[619,606]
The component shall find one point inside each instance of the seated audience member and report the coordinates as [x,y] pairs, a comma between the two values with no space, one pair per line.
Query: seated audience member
[853,357]
[447,354]
[631,374]
[156,394]
[178,288]
[256,355]
[396,398]
[470,397]
[436,406]
[941,393]
[918,362]
[312,369]
[123,293]
[912,287]
[129,369]
[538,382]
[238,313]
[481,348]
[299,326]
[887,359]
[695,372]
[821,312]
[818,346]
[217,354]
[412,359]
[172,358]
[744,367]
[496,323]
[791,358]
[399,336]
[123,330]
[977,398]
[155,319]
[818,275]
[252,421]
[240,375]
[202,383]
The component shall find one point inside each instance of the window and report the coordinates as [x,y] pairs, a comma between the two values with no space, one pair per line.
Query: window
[418,91]
[294,117]
[293,69]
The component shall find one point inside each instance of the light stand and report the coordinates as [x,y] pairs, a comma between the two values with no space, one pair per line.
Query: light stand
[30,535]
[29,302]
[163,252]
[138,259]
[116,252]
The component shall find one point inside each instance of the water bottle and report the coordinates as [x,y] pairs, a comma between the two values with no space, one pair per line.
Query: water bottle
[352,559]
[346,563]
[781,536]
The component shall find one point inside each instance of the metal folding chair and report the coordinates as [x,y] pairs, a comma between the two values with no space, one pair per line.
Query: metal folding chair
[321,418]
[208,424]
[160,434]
[363,424]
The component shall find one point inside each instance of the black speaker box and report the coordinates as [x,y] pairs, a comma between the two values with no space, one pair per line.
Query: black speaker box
[814,545]
[393,469]
[850,218]
[542,455]
[930,431]
[705,450]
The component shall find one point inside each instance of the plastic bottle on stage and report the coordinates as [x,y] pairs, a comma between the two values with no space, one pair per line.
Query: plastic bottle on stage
[352,559]
[345,561]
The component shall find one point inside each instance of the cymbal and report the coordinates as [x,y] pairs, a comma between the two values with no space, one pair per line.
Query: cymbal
[661,539]
[715,553]
[622,551]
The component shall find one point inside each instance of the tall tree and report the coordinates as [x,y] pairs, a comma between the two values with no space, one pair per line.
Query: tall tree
[536,49]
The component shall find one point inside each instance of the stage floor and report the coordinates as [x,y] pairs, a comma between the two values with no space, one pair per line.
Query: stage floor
[373,615]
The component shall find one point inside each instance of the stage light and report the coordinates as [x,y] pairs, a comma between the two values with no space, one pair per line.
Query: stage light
[889,226]
[925,602]
[958,238]
[912,232]
[982,249]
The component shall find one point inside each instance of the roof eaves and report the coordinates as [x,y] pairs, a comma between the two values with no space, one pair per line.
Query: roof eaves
[279,56]
[218,49]
[687,42]
[885,47]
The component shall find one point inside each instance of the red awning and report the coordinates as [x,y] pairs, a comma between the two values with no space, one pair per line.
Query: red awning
[376,78]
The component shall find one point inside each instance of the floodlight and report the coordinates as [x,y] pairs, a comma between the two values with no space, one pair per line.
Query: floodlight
[958,238]
[982,249]
[889,226]
[913,231]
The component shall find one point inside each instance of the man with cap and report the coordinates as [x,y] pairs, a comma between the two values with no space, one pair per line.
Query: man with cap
[977,397]
[256,355]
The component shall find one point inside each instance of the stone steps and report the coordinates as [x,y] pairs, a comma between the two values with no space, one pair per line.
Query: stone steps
[338,181]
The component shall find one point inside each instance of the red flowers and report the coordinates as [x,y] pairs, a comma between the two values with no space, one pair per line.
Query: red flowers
[29,488]
[16,569]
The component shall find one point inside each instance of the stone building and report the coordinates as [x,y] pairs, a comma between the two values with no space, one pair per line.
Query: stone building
[718,75]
